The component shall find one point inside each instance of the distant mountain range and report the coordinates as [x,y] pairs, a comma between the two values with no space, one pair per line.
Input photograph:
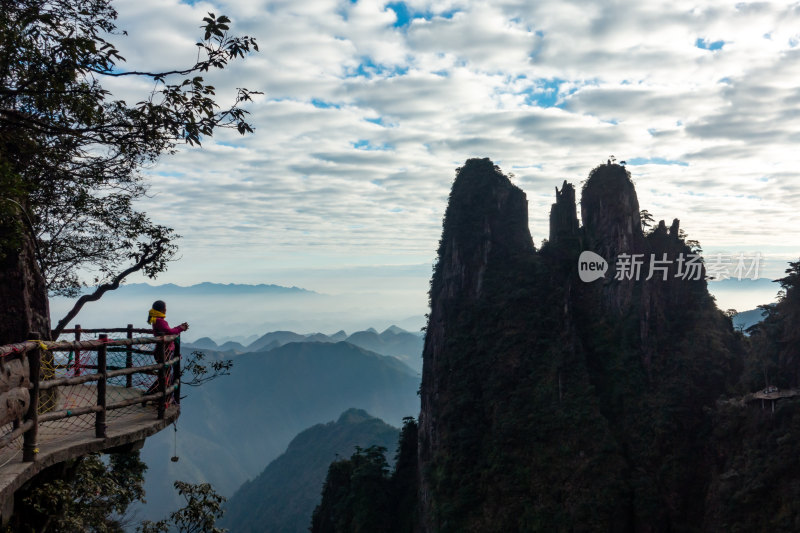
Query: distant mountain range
[394,341]
[745,319]
[282,497]
[232,427]
[206,288]
[231,312]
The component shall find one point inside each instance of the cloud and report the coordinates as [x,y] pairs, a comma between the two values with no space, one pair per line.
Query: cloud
[365,117]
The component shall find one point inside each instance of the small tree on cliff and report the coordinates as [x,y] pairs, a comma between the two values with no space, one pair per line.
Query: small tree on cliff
[70,154]
[647,219]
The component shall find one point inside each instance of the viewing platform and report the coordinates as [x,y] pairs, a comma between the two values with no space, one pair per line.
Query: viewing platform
[97,393]
[768,397]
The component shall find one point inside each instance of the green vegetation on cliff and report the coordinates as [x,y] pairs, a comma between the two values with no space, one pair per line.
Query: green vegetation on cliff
[553,404]
[361,496]
[776,339]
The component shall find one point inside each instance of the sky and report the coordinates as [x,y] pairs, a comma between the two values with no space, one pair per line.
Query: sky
[369,106]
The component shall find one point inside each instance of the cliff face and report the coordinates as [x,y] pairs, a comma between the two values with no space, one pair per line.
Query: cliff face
[613,229]
[503,377]
[610,212]
[486,216]
[486,223]
[550,404]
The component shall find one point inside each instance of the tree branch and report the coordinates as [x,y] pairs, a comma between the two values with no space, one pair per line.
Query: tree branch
[146,259]
[113,74]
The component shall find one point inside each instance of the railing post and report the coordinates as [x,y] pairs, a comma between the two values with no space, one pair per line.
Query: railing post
[29,440]
[76,364]
[176,373]
[100,420]
[162,379]
[129,358]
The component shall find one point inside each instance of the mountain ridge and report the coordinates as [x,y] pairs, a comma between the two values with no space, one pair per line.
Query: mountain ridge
[393,341]
[282,497]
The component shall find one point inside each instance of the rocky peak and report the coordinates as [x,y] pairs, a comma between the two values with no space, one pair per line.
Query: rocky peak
[353,416]
[674,229]
[612,226]
[563,215]
[661,229]
[610,212]
[486,215]
[534,380]
[485,223]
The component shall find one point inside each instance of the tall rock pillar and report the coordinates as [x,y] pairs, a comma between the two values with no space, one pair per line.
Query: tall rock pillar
[486,222]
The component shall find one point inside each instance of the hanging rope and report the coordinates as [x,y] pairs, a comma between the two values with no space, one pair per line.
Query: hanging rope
[175,457]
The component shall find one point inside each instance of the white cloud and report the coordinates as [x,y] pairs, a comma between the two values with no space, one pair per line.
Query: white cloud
[362,123]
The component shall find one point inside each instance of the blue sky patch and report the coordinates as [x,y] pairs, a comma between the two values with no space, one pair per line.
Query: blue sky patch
[706,45]
[363,144]
[545,93]
[656,161]
[402,12]
[405,14]
[369,69]
[228,144]
[323,104]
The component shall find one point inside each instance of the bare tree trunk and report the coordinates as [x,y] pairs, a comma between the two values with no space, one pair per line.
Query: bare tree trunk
[23,293]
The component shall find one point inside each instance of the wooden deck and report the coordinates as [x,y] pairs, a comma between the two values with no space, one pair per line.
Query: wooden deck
[61,440]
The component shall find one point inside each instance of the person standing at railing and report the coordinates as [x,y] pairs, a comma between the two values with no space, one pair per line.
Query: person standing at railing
[157,318]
